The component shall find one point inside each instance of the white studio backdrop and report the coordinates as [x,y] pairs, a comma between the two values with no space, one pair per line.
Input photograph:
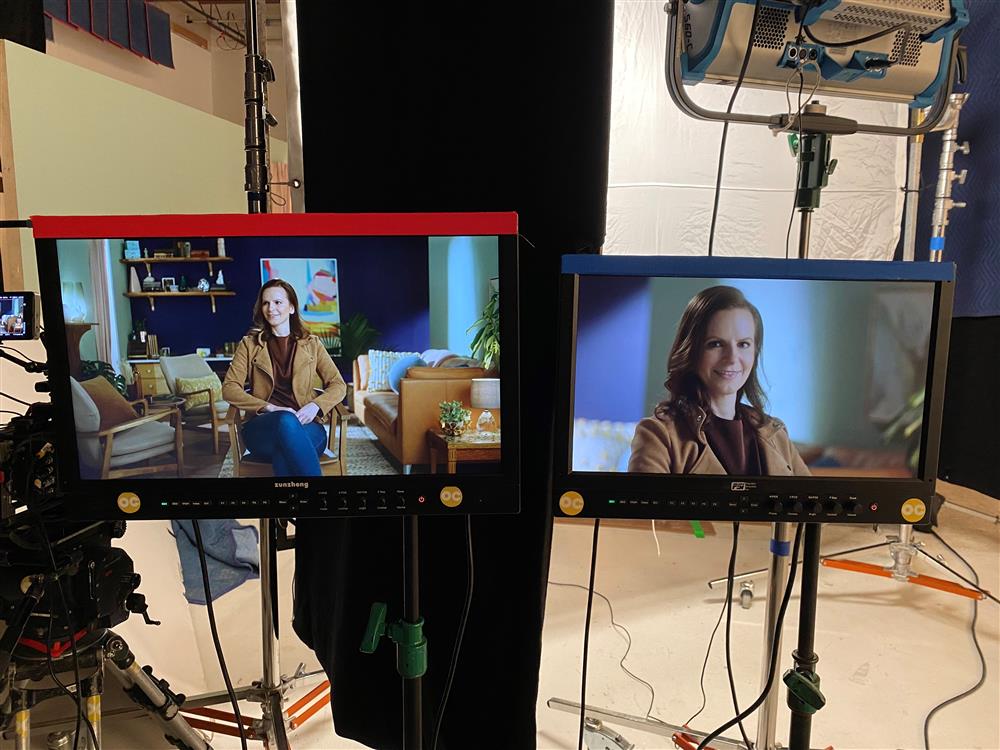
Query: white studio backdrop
[662,167]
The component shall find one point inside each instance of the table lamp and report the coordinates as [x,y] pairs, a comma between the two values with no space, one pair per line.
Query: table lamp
[486,396]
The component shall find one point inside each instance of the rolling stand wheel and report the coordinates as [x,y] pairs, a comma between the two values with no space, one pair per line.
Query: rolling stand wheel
[746,594]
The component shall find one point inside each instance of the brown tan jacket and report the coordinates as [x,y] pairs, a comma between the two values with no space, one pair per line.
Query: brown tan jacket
[674,442]
[311,362]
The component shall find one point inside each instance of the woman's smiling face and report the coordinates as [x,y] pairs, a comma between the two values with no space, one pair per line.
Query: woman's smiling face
[727,355]
[276,307]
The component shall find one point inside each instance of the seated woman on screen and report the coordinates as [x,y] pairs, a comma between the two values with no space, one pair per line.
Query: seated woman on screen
[713,421]
[282,361]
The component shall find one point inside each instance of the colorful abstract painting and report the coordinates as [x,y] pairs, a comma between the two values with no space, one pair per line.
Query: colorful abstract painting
[315,282]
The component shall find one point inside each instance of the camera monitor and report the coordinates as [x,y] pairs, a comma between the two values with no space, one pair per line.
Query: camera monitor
[283,365]
[18,316]
[759,390]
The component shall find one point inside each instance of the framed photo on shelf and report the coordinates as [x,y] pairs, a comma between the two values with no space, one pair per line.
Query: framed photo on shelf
[168,284]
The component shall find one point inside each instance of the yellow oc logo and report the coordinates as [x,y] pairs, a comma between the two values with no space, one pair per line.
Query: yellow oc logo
[128,502]
[451,497]
[913,510]
[571,503]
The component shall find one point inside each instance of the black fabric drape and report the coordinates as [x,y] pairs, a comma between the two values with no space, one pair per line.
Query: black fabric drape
[455,107]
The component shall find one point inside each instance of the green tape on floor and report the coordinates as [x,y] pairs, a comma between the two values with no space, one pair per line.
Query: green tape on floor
[698,531]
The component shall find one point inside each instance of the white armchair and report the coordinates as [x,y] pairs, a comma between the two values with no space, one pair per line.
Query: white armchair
[114,450]
[212,413]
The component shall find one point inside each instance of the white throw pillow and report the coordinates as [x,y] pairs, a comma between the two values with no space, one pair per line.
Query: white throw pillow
[380,363]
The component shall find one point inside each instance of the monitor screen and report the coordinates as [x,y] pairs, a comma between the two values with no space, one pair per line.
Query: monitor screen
[18,317]
[357,356]
[762,370]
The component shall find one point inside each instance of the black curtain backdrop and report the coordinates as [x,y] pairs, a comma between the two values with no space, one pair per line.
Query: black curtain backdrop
[455,107]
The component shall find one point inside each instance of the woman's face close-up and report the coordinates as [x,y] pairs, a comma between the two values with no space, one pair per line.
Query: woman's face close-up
[727,355]
[275,306]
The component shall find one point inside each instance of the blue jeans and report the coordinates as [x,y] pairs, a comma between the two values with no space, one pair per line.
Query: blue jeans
[293,449]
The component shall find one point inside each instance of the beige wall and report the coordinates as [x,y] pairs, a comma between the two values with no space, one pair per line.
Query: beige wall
[84,143]
[188,82]
[228,67]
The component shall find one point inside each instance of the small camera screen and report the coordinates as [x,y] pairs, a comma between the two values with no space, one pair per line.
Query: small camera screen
[750,377]
[235,357]
[15,317]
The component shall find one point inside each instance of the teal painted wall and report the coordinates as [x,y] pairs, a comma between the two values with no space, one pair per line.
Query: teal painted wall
[460,269]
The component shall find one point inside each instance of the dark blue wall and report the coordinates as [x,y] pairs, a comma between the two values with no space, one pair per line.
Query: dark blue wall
[612,338]
[385,278]
[973,234]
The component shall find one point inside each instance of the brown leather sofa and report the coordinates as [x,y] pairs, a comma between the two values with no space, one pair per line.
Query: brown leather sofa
[400,422]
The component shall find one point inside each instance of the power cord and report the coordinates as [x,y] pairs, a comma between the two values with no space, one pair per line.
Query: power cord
[870,38]
[730,577]
[470,581]
[628,645]
[975,640]
[704,665]
[725,125]
[773,656]
[586,631]
[215,636]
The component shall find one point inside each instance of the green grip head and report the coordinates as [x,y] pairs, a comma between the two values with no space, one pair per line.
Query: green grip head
[803,692]
[375,628]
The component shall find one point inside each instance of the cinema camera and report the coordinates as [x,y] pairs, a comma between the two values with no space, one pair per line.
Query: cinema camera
[62,588]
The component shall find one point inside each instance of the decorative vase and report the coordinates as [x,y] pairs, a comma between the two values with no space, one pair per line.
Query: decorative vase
[453,429]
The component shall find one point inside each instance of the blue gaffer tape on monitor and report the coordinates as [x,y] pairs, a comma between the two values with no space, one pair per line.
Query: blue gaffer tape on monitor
[756,268]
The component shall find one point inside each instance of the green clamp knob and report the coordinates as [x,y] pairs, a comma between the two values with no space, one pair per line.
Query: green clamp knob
[375,628]
[411,648]
[793,144]
[804,695]
[831,167]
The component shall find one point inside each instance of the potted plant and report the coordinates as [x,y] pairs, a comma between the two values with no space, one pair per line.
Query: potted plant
[486,343]
[905,427]
[356,337]
[91,368]
[454,417]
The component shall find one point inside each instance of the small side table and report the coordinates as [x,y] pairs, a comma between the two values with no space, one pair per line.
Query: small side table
[452,450]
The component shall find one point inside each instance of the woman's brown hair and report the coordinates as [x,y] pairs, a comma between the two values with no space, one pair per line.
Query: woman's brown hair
[298,331]
[682,380]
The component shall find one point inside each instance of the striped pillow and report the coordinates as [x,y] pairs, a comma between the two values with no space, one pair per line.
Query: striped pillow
[380,363]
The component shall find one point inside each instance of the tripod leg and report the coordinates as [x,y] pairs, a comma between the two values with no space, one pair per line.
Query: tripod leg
[152,695]
[22,721]
[92,705]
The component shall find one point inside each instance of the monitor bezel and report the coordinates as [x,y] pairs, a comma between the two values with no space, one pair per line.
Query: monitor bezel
[729,497]
[346,496]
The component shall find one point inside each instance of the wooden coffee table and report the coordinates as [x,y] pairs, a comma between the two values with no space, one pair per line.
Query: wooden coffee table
[452,450]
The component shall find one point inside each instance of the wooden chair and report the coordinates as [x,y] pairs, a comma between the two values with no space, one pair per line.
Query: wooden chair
[211,414]
[332,462]
[130,442]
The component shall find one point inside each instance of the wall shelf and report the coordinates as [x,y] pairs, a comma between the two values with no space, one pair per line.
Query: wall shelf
[149,261]
[151,296]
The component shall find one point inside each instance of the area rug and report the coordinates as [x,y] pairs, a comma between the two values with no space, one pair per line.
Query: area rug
[363,455]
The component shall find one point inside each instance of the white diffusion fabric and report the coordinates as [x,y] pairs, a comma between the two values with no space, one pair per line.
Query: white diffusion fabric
[663,165]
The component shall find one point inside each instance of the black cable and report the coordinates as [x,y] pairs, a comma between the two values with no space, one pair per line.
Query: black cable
[975,640]
[725,126]
[586,631]
[470,581]
[704,665]
[75,697]
[862,40]
[628,644]
[14,398]
[773,658]
[8,347]
[730,580]
[215,636]
[798,167]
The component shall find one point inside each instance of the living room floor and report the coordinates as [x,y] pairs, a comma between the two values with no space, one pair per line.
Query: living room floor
[888,652]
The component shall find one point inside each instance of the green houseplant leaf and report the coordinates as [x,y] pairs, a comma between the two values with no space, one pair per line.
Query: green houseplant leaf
[357,336]
[485,344]
[92,368]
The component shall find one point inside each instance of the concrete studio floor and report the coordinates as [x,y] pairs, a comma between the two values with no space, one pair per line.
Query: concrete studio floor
[888,652]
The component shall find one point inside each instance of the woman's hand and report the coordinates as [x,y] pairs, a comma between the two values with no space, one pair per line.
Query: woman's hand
[307,413]
[271,407]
